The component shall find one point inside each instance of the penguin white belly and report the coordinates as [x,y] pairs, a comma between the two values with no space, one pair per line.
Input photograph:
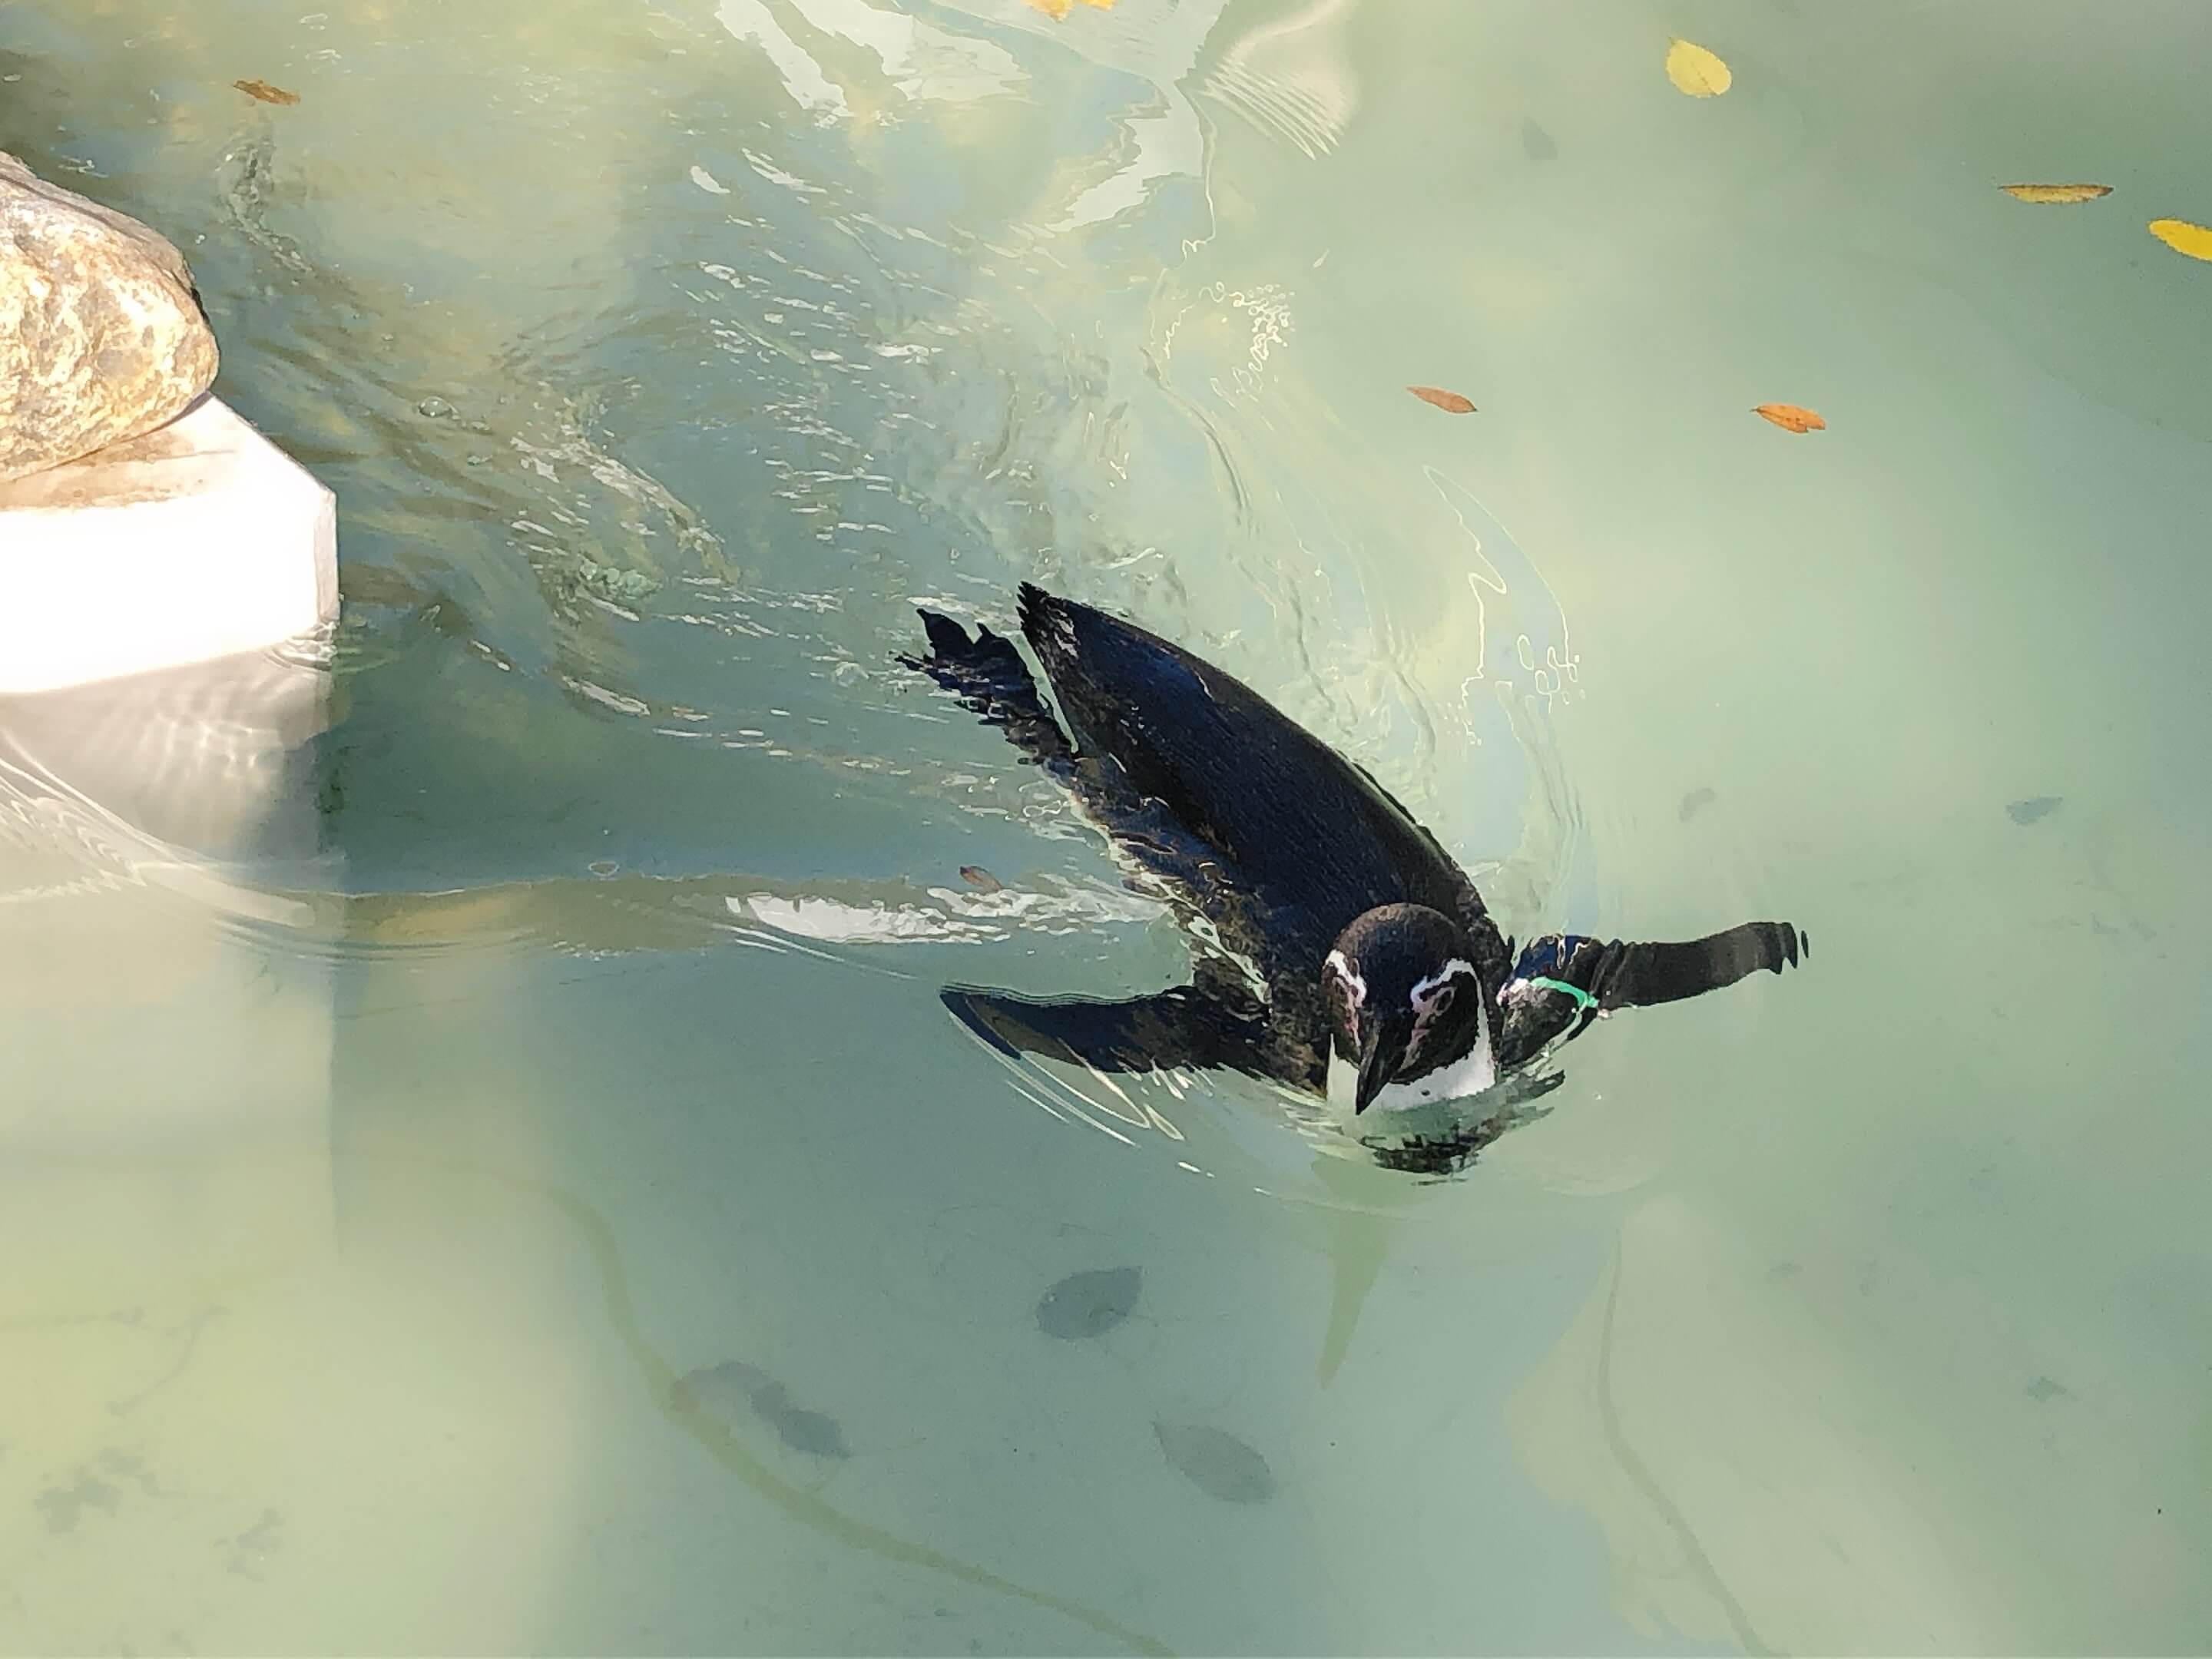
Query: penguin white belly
[1470,1074]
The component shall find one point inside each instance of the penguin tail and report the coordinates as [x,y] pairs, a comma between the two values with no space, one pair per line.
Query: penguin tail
[990,680]
[1031,604]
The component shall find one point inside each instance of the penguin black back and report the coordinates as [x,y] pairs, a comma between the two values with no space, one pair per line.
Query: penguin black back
[1314,839]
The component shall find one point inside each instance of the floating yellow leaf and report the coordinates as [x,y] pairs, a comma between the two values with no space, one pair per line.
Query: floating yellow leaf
[2183,237]
[1790,418]
[1451,402]
[1057,9]
[1696,71]
[265,93]
[2056,193]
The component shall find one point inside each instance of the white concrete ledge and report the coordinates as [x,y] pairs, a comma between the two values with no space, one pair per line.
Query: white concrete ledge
[199,541]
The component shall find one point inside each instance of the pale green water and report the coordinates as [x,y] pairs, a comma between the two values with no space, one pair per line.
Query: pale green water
[380,1142]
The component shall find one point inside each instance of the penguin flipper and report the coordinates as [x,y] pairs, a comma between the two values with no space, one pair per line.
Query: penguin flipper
[1642,976]
[1185,1027]
[1564,980]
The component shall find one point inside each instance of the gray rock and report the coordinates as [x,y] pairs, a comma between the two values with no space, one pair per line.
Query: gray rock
[101,335]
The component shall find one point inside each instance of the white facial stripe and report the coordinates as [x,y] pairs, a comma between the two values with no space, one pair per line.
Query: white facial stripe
[1432,992]
[1455,969]
[1352,981]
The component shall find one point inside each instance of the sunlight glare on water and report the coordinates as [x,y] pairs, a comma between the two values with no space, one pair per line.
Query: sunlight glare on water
[485,1164]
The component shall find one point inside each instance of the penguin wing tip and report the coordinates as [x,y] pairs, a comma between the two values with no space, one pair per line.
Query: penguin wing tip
[969,1007]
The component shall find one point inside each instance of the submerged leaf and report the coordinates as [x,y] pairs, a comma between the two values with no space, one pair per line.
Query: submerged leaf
[2027,811]
[2195,240]
[2057,193]
[1790,418]
[268,94]
[1451,402]
[816,1433]
[718,1390]
[1217,1462]
[1696,71]
[1089,1304]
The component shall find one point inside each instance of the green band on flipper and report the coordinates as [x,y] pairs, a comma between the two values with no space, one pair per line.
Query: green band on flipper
[1583,1000]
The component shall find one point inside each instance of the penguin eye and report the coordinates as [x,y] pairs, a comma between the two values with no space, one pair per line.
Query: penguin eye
[1439,1002]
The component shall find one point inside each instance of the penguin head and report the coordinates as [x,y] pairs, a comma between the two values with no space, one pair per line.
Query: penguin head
[1403,996]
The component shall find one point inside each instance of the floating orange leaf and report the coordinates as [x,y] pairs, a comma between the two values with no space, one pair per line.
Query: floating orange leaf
[1696,71]
[265,93]
[1451,402]
[2057,193]
[1790,418]
[2183,237]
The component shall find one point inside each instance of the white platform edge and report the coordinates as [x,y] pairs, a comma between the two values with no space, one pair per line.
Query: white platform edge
[199,541]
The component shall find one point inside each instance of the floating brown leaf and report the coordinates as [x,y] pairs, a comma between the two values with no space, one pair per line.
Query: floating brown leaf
[2057,193]
[2195,240]
[980,879]
[265,93]
[1451,402]
[1790,418]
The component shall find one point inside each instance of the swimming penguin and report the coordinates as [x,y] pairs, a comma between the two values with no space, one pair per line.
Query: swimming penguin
[1332,924]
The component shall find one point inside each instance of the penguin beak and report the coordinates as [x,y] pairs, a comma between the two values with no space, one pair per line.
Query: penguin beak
[1381,1051]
